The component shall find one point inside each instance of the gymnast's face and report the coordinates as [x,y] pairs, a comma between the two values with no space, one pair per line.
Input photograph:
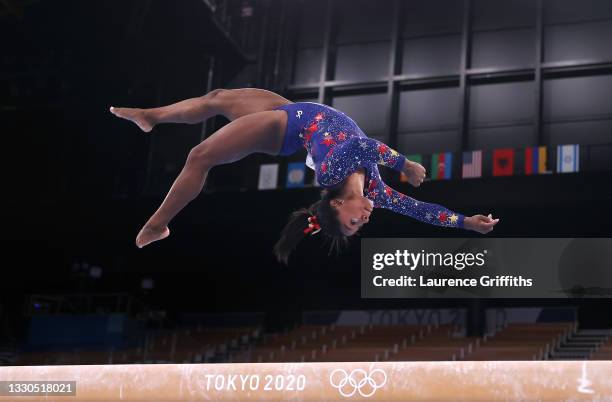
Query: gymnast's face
[353,213]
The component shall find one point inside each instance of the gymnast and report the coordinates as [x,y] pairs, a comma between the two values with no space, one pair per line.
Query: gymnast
[345,161]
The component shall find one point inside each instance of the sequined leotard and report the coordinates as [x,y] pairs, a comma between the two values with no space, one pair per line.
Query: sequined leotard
[338,148]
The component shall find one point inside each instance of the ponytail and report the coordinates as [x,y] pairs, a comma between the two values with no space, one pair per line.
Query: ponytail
[326,216]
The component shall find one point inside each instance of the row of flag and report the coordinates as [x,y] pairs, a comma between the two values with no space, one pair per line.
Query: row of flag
[535,162]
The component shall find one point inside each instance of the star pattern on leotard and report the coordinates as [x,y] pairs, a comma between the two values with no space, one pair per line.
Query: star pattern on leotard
[338,148]
[382,148]
[442,216]
[329,141]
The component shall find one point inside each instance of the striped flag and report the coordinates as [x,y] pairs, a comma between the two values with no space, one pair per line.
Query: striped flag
[441,165]
[535,160]
[472,164]
[295,175]
[414,158]
[568,158]
[503,162]
[268,176]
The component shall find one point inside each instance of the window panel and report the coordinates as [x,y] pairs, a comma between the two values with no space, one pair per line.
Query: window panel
[586,41]
[429,142]
[365,62]
[363,21]
[308,66]
[499,137]
[503,48]
[311,23]
[501,103]
[368,111]
[432,17]
[435,55]
[428,108]
[577,97]
[559,11]
[579,132]
[495,14]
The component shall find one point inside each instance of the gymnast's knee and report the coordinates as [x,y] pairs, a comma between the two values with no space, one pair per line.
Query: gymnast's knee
[215,92]
[218,100]
[200,157]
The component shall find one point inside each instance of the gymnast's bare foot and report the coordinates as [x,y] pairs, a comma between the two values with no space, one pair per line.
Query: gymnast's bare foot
[138,116]
[149,234]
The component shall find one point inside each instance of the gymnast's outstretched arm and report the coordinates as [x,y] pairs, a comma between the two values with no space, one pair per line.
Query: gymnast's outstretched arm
[434,214]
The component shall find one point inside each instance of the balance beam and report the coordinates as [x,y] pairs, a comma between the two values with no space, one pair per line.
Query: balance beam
[372,381]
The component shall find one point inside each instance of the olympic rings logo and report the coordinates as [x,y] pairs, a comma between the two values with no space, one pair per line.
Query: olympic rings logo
[358,381]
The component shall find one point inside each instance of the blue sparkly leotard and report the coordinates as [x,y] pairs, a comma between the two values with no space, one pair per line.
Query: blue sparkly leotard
[338,148]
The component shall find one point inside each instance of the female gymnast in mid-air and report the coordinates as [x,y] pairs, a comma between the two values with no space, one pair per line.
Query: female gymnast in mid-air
[345,162]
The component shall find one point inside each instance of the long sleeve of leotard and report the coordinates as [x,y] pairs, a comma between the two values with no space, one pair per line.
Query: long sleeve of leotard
[388,198]
[344,158]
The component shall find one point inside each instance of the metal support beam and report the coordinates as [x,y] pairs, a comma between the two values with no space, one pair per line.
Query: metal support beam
[395,65]
[464,93]
[329,53]
[539,46]
[295,19]
[209,124]
[280,40]
[262,45]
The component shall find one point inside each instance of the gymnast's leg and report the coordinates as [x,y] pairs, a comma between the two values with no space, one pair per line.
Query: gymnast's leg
[231,103]
[257,132]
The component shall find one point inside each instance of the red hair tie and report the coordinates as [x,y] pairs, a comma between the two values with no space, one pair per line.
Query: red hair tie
[313,225]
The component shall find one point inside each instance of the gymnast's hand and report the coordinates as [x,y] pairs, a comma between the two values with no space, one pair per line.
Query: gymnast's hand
[415,172]
[480,223]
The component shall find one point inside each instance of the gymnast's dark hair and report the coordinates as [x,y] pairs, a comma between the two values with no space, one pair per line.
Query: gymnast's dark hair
[327,217]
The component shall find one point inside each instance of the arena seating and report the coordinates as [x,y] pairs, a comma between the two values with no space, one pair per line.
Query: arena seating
[327,343]
[522,342]
[604,352]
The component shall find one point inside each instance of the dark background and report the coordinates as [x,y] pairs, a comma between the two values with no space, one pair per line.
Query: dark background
[423,76]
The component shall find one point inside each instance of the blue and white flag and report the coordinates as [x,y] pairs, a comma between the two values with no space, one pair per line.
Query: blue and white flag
[295,175]
[268,176]
[568,158]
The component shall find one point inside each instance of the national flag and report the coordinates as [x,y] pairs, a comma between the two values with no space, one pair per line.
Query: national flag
[268,176]
[503,162]
[414,158]
[568,158]
[535,160]
[472,164]
[295,175]
[441,165]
